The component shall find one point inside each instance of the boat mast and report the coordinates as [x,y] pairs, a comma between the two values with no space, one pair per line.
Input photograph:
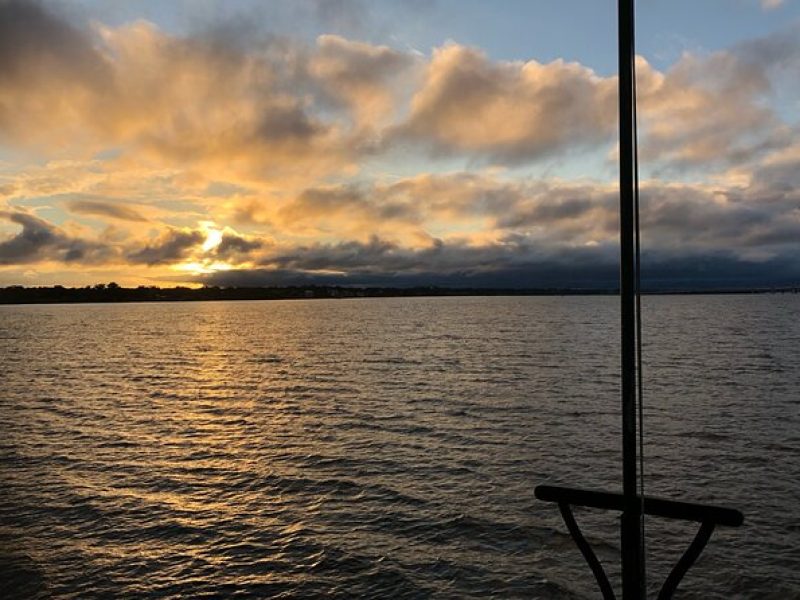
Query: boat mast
[630,524]
[629,502]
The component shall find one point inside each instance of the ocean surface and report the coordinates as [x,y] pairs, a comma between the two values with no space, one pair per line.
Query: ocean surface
[386,448]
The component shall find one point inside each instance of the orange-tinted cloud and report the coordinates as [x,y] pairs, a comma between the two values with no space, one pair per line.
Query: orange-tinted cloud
[138,91]
[153,143]
[367,79]
[706,110]
[106,209]
[509,111]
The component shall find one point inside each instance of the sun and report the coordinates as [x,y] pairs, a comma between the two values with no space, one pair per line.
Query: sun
[213,237]
[205,262]
[202,268]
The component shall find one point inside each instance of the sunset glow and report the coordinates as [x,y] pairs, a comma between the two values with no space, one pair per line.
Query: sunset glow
[145,144]
[390,299]
[213,239]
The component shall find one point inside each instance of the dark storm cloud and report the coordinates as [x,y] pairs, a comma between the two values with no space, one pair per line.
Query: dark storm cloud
[378,257]
[582,206]
[518,277]
[346,256]
[234,246]
[681,218]
[384,264]
[41,241]
[496,267]
[718,270]
[172,246]
[105,209]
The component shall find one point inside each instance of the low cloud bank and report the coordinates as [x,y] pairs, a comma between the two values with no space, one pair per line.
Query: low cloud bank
[702,272]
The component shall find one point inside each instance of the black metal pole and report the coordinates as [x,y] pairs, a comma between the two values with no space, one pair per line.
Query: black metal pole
[629,527]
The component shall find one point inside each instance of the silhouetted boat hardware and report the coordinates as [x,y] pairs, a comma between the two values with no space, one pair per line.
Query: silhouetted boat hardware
[708,517]
[632,502]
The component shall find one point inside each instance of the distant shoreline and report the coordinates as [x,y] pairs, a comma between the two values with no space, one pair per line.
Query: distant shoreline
[111,293]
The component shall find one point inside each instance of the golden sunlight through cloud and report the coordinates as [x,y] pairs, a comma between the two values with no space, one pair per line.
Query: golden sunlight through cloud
[202,267]
[205,263]
[213,236]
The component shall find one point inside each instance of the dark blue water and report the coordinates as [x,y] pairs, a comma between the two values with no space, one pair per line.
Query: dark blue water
[385,447]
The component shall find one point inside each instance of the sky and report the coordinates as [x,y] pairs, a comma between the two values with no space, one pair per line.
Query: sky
[356,142]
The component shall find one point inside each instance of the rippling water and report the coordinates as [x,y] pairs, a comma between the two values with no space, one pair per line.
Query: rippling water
[385,447]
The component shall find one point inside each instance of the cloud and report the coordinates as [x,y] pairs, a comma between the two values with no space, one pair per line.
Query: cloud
[35,43]
[348,209]
[378,260]
[297,142]
[48,72]
[537,222]
[519,233]
[706,110]
[771,4]
[239,112]
[503,266]
[40,241]
[554,213]
[234,247]
[779,49]
[508,111]
[716,109]
[172,246]
[364,78]
[105,209]
[188,101]
[779,174]
[415,204]
[233,104]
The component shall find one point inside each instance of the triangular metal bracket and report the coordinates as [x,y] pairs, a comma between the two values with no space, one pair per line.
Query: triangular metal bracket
[708,517]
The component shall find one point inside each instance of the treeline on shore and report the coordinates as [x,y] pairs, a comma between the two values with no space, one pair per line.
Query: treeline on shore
[111,292]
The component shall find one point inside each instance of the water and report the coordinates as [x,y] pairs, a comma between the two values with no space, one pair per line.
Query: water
[385,447]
